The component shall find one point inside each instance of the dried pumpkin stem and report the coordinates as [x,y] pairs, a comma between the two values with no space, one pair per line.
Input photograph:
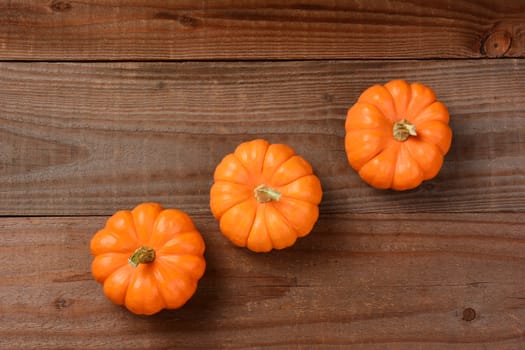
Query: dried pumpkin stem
[403,129]
[265,194]
[143,255]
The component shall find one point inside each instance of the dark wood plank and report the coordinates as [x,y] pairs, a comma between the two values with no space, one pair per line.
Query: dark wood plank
[310,29]
[382,281]
[80,139]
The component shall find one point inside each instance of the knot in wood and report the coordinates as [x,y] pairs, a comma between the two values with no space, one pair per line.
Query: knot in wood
[469,314]
[188,21]
[61,303]
[496,43]
[60,6]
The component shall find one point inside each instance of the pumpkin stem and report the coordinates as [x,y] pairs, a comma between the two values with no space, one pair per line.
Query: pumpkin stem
[403,129]
[265,194]
[143,255]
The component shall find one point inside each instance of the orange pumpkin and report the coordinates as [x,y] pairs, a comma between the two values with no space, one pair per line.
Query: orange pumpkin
[149,258]
[265,196]
[397,135]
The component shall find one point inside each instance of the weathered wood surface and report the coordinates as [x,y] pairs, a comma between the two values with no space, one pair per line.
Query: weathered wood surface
[82,139]
[143,98]
[390,281]
[310,29]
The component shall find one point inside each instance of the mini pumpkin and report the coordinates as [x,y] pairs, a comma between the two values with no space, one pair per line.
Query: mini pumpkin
[397,135]
[265,196]
[148,259]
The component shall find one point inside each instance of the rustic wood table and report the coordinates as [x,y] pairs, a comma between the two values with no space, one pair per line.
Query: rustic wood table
[105,104]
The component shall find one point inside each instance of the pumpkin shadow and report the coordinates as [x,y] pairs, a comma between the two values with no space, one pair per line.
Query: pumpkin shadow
[238,280]
[201,309]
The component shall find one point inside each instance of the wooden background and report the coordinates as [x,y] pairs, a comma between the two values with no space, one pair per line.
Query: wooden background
[105,104]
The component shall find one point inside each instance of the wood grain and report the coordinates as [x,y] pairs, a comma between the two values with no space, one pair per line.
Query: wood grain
[374,281]
[310,29]
[81,139]
[105,104]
